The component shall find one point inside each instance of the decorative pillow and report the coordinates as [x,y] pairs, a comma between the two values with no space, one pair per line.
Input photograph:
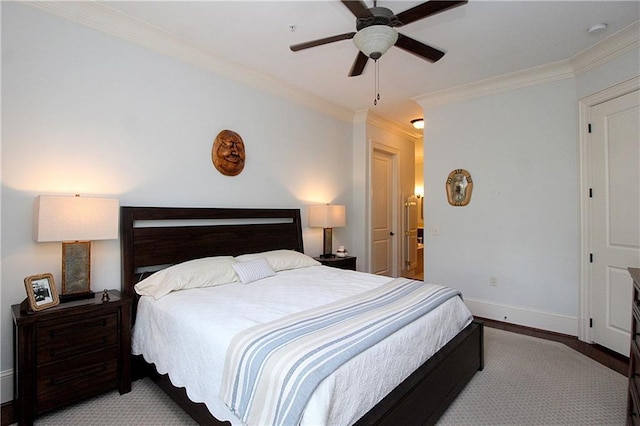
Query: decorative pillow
[206,272]
[281,260]
[253,270]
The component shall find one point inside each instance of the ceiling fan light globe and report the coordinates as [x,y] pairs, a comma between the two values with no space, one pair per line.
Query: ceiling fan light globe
[375,40]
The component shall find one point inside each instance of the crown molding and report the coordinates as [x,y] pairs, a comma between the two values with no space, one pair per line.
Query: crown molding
[625,40]
[102,18]
[370,118]
[516,80]
[393,127]
[360,117]
[617,44]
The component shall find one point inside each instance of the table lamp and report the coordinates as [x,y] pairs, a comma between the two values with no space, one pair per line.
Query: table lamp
[327,216]
[75,221]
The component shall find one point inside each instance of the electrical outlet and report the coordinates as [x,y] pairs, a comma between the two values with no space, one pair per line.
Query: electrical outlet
[493,281]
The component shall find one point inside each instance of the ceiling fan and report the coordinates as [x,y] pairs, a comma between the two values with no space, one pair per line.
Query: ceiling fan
[376,31]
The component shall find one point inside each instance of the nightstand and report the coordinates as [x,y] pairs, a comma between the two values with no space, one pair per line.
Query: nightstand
[347,262]
[71,352]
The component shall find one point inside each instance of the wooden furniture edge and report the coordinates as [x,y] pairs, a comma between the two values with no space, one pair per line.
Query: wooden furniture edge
[429,391]
[8,413]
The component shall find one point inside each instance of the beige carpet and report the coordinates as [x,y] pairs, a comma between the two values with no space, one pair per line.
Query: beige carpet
[526,381]
[529,381]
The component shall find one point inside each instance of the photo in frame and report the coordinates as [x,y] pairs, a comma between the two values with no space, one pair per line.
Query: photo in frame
[41,292]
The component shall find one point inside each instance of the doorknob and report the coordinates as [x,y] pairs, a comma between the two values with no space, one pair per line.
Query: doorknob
[392,234]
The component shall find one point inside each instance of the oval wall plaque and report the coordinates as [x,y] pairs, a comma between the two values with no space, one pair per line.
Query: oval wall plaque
[228,153]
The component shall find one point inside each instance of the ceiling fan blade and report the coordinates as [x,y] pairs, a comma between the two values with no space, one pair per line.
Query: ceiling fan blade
[358,65]
[358,8]
[426,9]
[429,53]
[319,42]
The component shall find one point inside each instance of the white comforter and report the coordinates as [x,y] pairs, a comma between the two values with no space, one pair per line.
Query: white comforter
[186,334]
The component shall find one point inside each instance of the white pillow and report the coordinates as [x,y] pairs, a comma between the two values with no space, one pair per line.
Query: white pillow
[253,270]
[281,260]
[206,272]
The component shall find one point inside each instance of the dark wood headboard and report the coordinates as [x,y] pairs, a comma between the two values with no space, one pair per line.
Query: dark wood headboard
[156,236]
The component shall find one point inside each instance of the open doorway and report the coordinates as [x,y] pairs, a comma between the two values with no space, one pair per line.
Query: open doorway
[391,180]
[418,272]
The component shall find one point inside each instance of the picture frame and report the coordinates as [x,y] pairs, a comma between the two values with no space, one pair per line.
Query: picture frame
[459,187]
[41,292]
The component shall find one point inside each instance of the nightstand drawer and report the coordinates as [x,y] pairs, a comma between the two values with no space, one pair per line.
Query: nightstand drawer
[78,336]
[76,378]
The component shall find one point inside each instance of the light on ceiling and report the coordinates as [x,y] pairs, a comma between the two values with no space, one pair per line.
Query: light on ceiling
[598,28]
[375,40]
[418,123]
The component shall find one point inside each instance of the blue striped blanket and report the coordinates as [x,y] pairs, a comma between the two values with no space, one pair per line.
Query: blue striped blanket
[272,369]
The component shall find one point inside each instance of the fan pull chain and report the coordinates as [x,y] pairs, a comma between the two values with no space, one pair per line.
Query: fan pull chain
[377,83]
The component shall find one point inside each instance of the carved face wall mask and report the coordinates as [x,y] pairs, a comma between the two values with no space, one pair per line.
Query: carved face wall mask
[228,153]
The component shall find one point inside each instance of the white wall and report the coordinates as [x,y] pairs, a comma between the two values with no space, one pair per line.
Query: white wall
[84,112]
[522,225]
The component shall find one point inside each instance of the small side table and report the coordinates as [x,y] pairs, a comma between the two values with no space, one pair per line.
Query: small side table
[70,352]
[347,262]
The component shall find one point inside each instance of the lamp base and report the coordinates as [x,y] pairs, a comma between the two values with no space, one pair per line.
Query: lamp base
[327,239]
[327,256]
[75,296]
[76,270]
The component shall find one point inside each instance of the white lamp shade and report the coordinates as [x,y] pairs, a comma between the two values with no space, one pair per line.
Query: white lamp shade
[375,40]
[59,218]
[327,216]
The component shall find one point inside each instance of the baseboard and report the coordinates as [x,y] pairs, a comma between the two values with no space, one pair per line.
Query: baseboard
[528,318]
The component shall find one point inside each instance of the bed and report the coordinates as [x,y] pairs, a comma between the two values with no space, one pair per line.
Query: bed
[154,237]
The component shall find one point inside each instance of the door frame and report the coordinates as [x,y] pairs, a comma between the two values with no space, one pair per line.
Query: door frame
[584,107]
[395,188]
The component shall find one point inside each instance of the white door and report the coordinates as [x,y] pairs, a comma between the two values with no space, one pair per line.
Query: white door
[615,217]
[382,214]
